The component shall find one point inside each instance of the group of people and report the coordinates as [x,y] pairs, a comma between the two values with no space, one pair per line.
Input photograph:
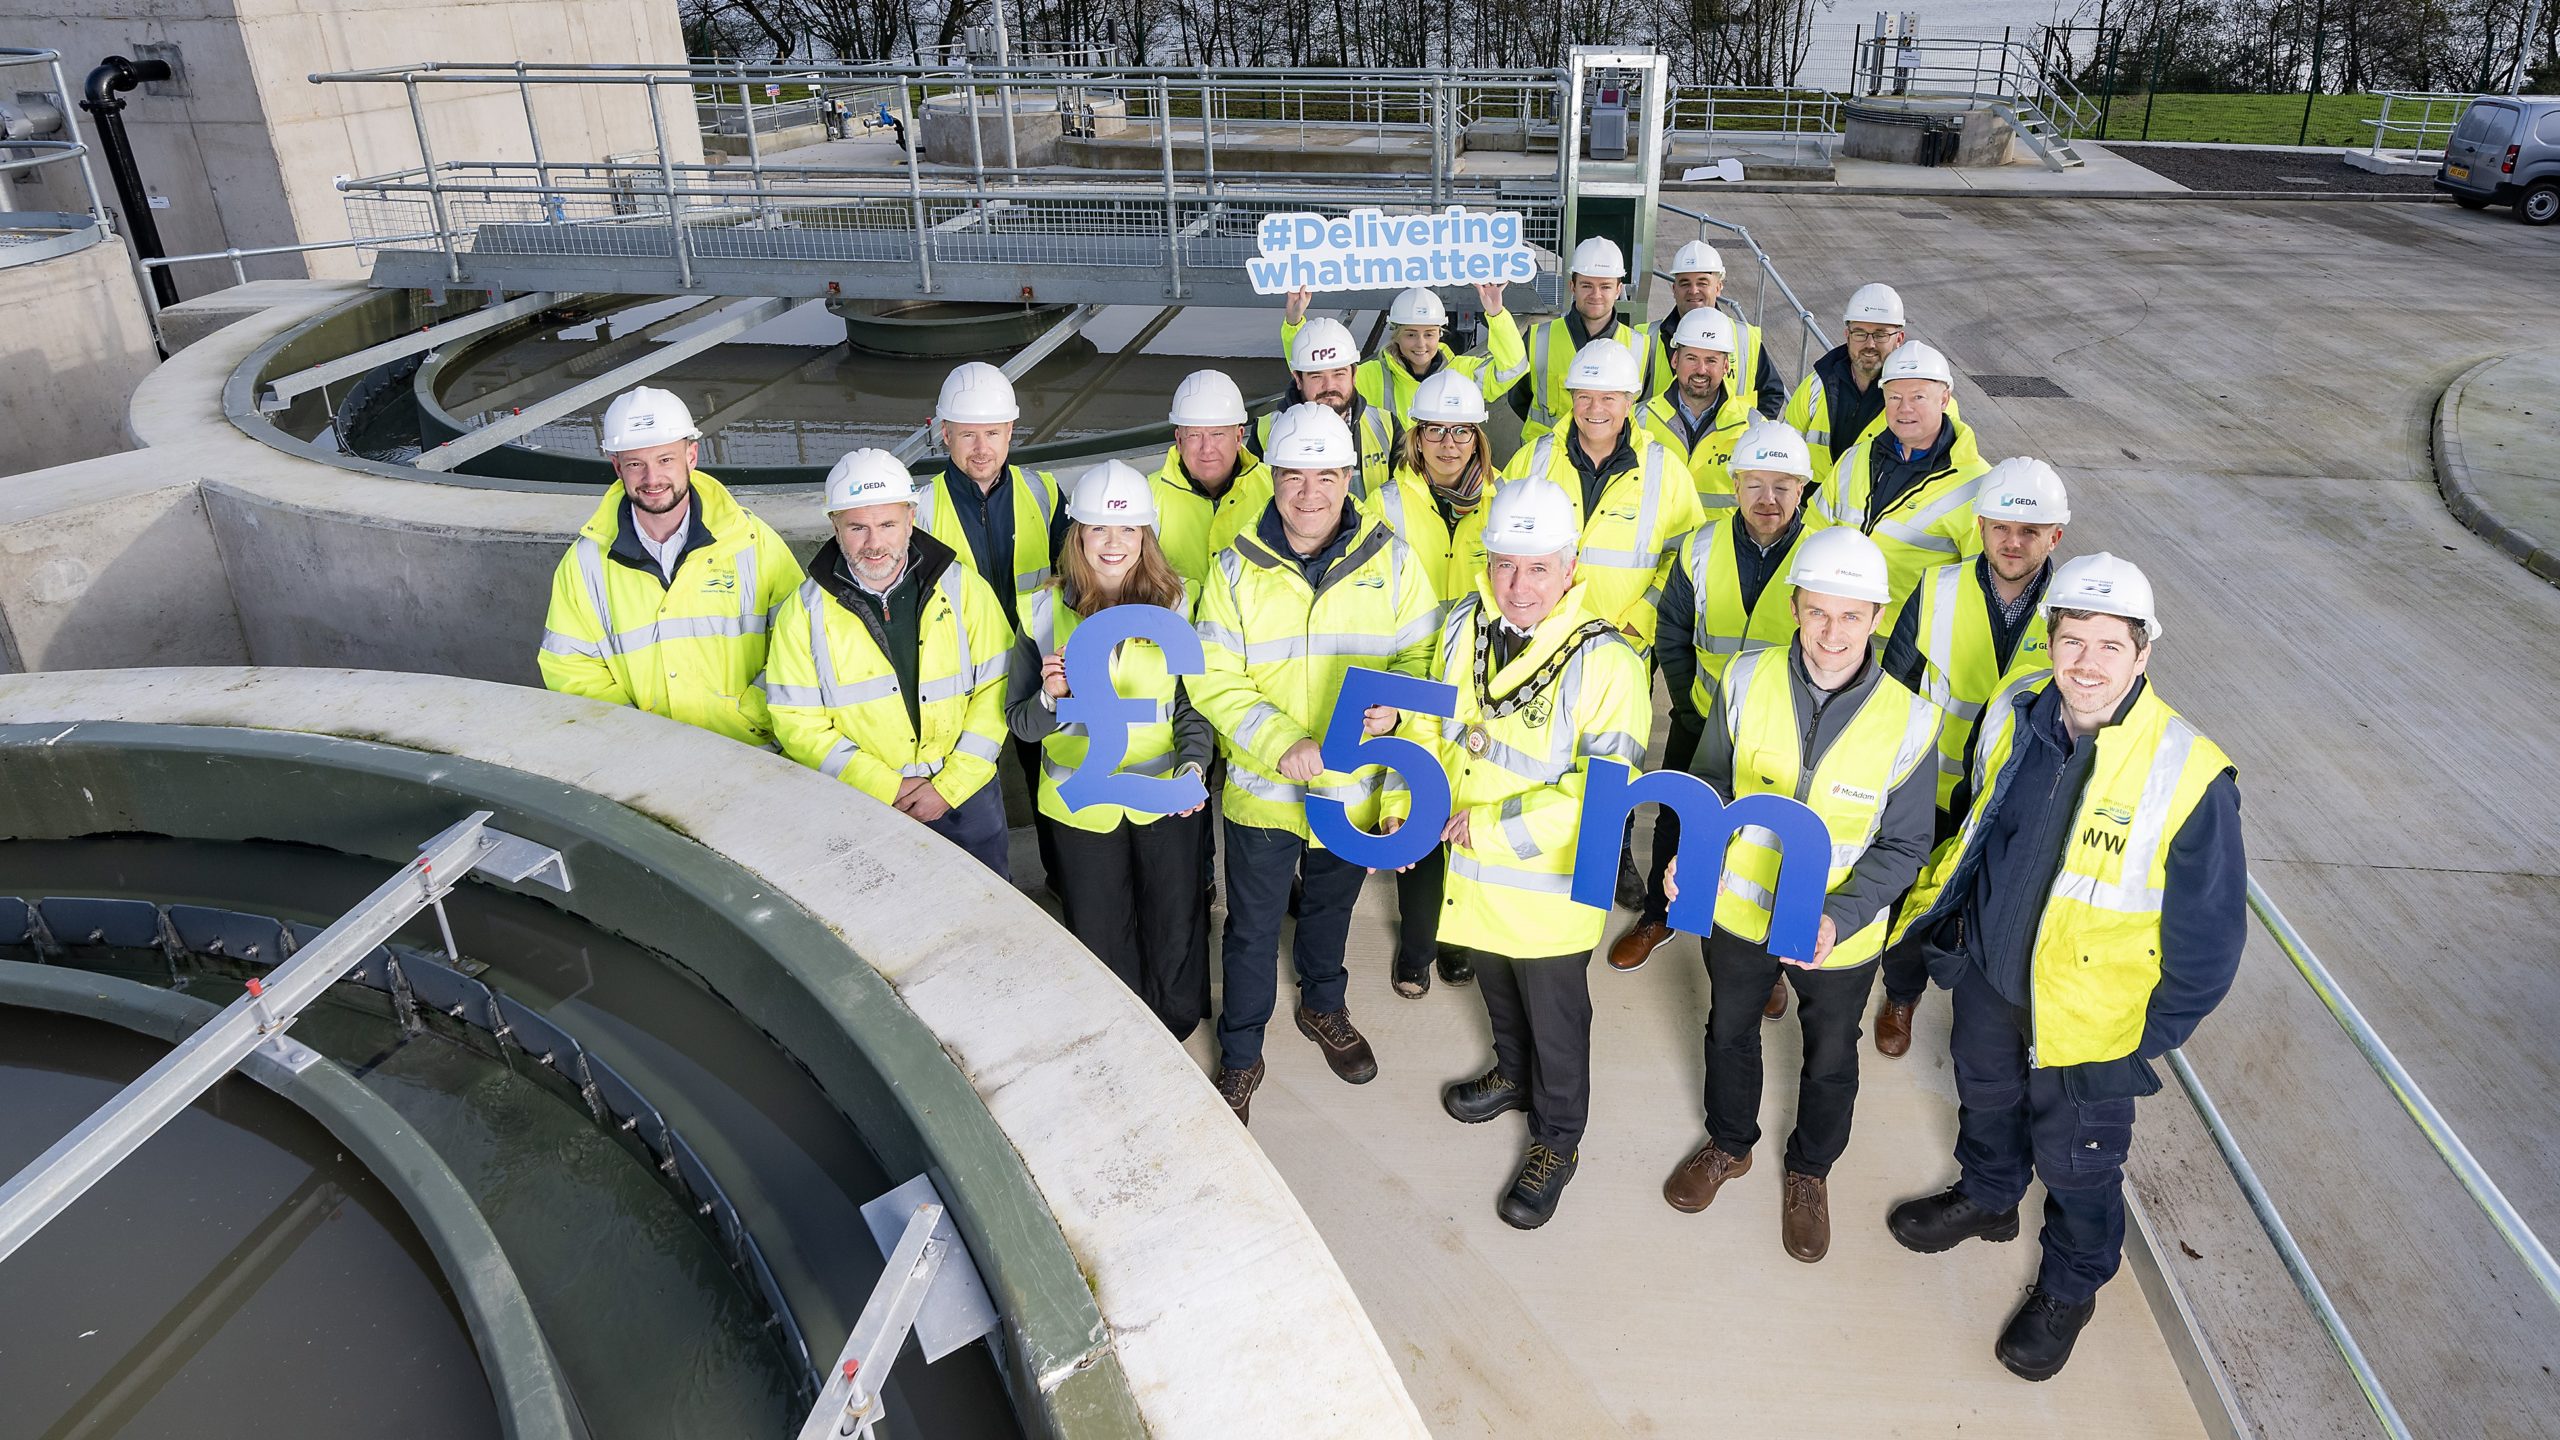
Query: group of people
[1847,605]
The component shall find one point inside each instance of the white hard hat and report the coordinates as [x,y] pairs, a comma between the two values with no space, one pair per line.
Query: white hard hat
[1417,306]
[976,394]
[869,477]
[1773,445]
[1600,258]
[1705,329]
[2105,584]
[1323,343]
[1207,397]
[1914,360]
[638,419]
[1604,364]
[1448,397]
[1873,305]
[2022,489]
[1310,436]
[1842,561]
[1112,493]
[1697,256]
[1530,517]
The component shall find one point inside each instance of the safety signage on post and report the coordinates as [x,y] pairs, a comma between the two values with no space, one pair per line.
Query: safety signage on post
[1369,249]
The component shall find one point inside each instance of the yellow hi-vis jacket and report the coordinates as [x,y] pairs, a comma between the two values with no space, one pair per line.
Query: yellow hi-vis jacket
[1384,381]
[1928,524]
[1890,737]
[1510,886]
[834,692]
[1138,672]
[1373,429]
[1996,714]
[1964,669]
[1710,460]
[1277,650]
[691,650]
[1406,504]
[1721,628]
[2097,951]
[1809,411]
[1192,527]
[1035,500]
[1630,541]
[1551,351]
[1745,377]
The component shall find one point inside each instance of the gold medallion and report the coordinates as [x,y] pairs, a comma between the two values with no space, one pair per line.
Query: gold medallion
[1477,739]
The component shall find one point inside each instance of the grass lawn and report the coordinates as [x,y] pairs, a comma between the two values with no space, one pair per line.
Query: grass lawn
[2252,119]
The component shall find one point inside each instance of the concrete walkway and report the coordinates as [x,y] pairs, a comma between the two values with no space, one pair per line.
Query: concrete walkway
[2498,454]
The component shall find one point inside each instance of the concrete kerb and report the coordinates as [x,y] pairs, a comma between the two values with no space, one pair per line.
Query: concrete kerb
[2463,495]
[1821,187]
[533,1401]
[1220,1305]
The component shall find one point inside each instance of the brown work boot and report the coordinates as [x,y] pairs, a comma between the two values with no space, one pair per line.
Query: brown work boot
[1638,944]
[1805,1218]
[1343,1047]
[1776,1009]
[1893,1026]
[1236,1087]
[1693,1186]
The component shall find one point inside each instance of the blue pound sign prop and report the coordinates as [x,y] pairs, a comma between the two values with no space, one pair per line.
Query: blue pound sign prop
[1106,714]
[1706,824]
[1346,749]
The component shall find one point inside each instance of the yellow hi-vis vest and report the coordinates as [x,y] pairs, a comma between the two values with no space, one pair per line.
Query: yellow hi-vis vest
[1277,650]
[1890,737]
[1373,428]
[692,650]
[1510,887]
[1383,380]
[1711,459]
[1138,672]
[2097,949]
[1630,541]
[1406,504]
[1551,351]
[1928,524]
[1192,527]
[1964,668]
[1035,500]
[836,706]
[1809,411]
[1722,629]
[1746,366]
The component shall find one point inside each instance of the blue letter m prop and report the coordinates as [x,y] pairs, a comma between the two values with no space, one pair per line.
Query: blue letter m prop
[1706,825]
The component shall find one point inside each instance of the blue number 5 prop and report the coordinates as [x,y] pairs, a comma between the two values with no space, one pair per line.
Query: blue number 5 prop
[1106,714]
[1346,750]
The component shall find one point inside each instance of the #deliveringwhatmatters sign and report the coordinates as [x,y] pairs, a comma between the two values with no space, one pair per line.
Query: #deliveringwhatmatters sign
[1372,250]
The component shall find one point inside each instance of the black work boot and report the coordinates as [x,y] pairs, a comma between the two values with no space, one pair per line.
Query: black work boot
[1946,1220]
[1476,1101]
[2038,1341]
[1532,1198]
[1412,981]
[1455,967]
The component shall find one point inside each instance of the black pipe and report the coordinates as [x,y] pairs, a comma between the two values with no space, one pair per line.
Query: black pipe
[100,99]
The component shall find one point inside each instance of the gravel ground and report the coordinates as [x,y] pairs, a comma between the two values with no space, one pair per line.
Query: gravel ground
[2201,168]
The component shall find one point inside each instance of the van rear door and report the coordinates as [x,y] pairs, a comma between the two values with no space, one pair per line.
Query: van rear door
[2479,144]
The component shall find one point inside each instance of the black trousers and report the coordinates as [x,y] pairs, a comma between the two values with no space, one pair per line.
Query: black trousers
[2012,1121]
[1679,748]
[1541,1014]
[1830,1005]
[1418,902]
[1133,897]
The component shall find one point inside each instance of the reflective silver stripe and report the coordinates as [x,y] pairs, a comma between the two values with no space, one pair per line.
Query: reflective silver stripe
[591,568]
[1350,792]
[1040,625]
[1724,645]
[1213,633]
[1734,885]
[948,687]
[2150,831]
[750,609]
[1262,713]
[1719,502]
[926,500]
[1515,829]
[1938,595]
[1964,710]
[921,770]
[1615,744]
[1737,684]
[559,644]
[1416,630]
[1486,873]
[1817,415]
[1541,343]
[1901,533]
[803,697]
[1026,581]
[813,600]
[684,627]
[1264,787]
[1518,761]
[837,757]
[1998,714]
[1303,647]
[973,743]
[1160,765]
[1915,531]
[1831,501]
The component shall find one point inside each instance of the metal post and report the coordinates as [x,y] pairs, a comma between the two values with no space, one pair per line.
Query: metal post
[850,1402]
[2106,100]
[915,189]
[533,132]
[88,181]
[2151,92]
[2524,45]
[2382,126]
[435,186]
[977,141]
[1208,136]
[2319,35]
[1172,208]
[755,150]
[667,181]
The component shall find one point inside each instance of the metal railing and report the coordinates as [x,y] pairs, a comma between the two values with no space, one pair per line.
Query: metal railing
[1755,109]
[2006,69]
[30,153]
[235,255]
[2437,113]
[1811,339]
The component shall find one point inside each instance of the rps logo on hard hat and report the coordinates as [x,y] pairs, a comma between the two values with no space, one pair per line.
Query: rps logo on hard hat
[1612,792]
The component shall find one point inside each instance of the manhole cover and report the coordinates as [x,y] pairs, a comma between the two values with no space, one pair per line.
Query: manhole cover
[2302,180]
[2021,387]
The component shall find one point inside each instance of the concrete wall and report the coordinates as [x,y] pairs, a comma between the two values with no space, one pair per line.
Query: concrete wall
[111,563]
[247,155]
[74,344]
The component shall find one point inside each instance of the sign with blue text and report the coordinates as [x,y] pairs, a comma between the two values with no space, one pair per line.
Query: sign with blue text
[1613,791]
[1372,250]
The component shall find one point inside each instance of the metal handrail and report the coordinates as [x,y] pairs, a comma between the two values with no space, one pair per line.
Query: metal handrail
[240,273]
[1798,109]
[2004,69]
[2426,127]
[1812,333]
[72,149]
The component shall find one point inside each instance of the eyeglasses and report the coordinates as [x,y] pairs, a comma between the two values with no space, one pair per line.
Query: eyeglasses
[1860,332]
[1434,434]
